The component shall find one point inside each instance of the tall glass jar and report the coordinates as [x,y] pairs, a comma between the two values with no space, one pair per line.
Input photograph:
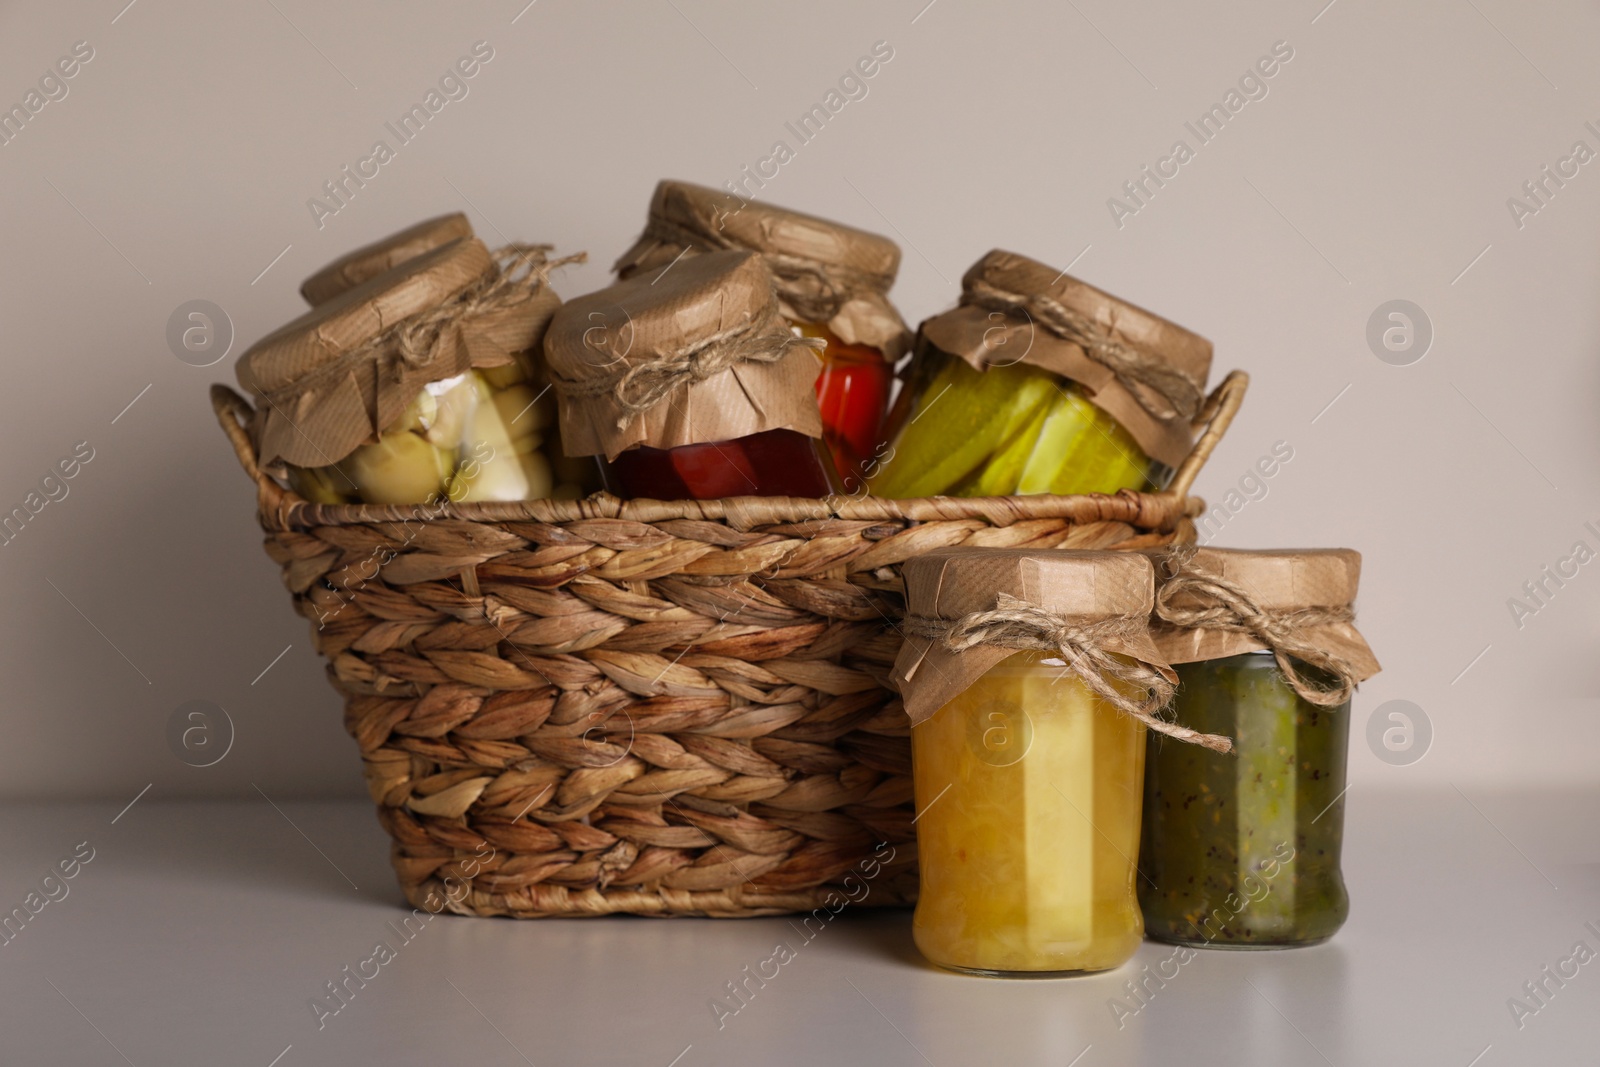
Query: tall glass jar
[1243,851]
[686,383]
[833,283]
[1039,383]
[1027,677]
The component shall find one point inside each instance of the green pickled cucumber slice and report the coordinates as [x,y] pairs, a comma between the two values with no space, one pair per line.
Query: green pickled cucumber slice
[959,427]
[999,477]
[1082,450]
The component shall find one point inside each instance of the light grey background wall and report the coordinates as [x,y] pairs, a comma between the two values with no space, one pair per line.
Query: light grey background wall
[1376,167]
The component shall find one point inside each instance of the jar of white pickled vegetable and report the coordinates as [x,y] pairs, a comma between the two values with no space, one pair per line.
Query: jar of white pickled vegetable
[414,386]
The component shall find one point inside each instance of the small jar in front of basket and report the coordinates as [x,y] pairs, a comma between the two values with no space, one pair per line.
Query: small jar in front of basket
[686,382]
[833,285]
[1039,383]
[1243,851]
[1030,680]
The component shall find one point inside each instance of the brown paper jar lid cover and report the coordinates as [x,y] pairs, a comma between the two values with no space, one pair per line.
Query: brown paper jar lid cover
[1278,581]
[339,374]
[716,313]
[350,270]
[827,273]
[983,333]
[949,583]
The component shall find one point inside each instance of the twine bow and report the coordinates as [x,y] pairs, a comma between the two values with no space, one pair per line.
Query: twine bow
[813,289]
[1163,391]
[413,343]
[1015,623]
[1225,606]
[646,384]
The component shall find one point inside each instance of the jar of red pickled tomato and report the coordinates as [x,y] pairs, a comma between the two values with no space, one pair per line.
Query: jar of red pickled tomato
[833,284]
[688,383]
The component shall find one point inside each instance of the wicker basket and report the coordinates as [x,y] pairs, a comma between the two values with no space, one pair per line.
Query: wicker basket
[653,707]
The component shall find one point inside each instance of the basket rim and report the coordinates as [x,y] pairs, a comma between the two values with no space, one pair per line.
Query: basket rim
[282,509]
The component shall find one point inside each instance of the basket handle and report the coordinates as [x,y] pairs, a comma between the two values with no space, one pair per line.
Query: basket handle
[1216,414]
[235,414]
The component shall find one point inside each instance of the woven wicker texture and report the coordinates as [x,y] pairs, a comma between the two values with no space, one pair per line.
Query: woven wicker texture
[652,707]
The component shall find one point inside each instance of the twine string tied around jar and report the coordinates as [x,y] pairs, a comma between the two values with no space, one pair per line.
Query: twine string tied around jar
[815,290]
[1223,605]
[520,271]
[642,386]
[1015,623]
[1163,391]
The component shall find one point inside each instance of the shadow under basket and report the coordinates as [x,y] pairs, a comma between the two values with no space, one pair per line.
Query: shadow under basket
[651,707]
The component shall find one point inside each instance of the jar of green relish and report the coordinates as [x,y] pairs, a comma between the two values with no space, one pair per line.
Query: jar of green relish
[1243,850]
[1039,383]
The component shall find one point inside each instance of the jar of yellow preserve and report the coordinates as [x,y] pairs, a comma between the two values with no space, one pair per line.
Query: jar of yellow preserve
[1040,383]
[1030,680]
[1243,851]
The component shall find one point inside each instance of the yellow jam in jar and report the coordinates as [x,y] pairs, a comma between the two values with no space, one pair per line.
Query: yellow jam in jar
[1028,789]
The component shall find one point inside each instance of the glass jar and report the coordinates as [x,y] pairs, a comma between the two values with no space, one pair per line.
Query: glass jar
[470,434]
[1028,787]
[675,402]
[1242,850]
[1039,383]
[833,282]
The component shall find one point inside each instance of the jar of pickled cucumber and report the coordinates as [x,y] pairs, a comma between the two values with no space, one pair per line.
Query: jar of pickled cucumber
[833,284]
[1039,383]
[1030,681]
[687,383]
[1243,851]
[413,387]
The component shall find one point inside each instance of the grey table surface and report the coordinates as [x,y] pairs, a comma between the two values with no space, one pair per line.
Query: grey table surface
[202,933]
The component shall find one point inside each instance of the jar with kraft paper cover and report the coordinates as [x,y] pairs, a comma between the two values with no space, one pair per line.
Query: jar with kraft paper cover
[1039,383]
[687,383]
[1243,851]
[1030,680]
[518,388]
[381,393]
[833,284]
